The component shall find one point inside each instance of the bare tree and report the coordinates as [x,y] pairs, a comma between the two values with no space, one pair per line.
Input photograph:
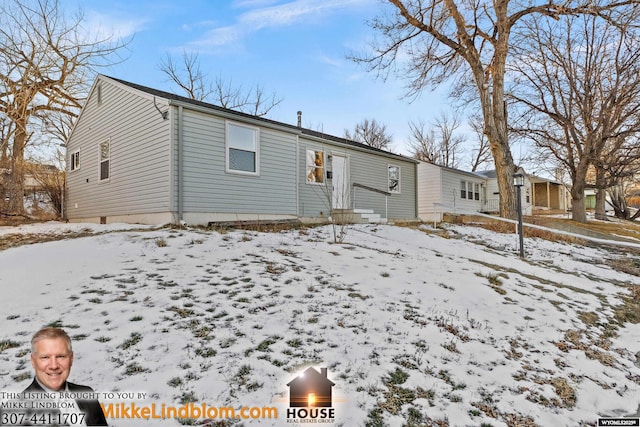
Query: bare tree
[46,62]
[453,39]
[481,154]
[581,93]
[51,181]
[614,169]
[371,133]
[440,144]
[196,84]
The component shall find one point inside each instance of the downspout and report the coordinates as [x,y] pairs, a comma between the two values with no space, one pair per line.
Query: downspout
[416,189]
[180,164]
[298,175]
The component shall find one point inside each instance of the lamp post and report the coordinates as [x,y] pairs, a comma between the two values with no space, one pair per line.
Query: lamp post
[518,182]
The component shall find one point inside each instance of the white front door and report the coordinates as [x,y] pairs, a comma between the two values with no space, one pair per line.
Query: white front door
[340,182]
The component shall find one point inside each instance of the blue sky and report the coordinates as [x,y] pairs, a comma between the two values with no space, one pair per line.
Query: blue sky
[295,48]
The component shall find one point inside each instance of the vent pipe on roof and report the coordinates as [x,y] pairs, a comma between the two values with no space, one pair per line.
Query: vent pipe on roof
[299,119]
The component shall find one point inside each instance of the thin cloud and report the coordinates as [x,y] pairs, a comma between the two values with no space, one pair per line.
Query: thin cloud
[103,26]
[277,16]
[241,4]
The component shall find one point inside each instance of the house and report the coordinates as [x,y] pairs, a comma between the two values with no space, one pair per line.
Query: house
[142,155]
[448,190]
[548,196]
[310,389]
[493,194]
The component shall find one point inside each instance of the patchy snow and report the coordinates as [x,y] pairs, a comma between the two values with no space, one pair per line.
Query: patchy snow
[414,327]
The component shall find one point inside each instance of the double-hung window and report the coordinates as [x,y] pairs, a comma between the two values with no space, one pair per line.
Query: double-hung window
[394,179]
[242,148]
[315,166]
[105,160]
[463,189]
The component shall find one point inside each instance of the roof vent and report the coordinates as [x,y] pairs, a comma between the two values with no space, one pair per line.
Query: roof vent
[299,119]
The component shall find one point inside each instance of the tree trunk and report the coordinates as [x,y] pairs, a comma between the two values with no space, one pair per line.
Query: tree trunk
[601,195]
[15,186]
[578,211]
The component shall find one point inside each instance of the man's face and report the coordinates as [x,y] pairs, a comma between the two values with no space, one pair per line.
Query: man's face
[52,362]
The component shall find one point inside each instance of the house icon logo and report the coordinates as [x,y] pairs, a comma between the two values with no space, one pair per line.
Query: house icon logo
[310,395]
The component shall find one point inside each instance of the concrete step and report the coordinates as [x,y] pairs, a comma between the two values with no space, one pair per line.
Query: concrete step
[369,216]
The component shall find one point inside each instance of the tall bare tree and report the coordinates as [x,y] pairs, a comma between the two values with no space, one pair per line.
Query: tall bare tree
[196,84]
[445,39]
[580,89]
[371,133]
[480,154]
[46,64]
[437,143]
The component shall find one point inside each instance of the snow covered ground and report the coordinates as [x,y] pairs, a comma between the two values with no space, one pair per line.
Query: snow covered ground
[415,328]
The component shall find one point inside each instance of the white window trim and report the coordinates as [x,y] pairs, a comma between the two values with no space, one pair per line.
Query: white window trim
[324,166]
[399,191]
[226,148]
[108,141]
[72,163]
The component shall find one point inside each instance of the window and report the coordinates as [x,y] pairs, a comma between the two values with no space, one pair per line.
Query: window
[242,149]
[99,94]
[476,191]
[105,155]
[394,179]
[75,160]
[463,189]
[315,166]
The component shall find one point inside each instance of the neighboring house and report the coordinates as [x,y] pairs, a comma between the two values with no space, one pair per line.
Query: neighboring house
[493,195]
[37,175]
[447,190]
[549,197]
[141,155]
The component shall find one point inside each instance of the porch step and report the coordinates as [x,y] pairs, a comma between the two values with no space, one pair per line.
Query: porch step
[369,216]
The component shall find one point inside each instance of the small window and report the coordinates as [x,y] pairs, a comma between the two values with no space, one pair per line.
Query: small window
[105,156]
[476,191]
[394,179]
[315,166]
[99,94]
[470,190]
[463,189]
[242,149]
[75,160]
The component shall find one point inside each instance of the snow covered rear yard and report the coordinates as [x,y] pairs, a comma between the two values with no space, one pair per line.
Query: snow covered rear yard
[415,328]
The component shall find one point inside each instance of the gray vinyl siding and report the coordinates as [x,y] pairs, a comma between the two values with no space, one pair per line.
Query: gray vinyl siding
[208,187]
[366,168]
[139,162]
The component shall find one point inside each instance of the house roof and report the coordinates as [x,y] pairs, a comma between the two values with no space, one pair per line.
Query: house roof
[488,174]
[459,171]
[315,134]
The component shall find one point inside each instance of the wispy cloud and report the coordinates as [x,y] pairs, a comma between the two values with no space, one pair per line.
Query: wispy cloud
[262,16]
[252,3]
[103,25]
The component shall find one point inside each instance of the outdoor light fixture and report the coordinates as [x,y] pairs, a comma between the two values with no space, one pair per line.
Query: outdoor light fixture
[518,182]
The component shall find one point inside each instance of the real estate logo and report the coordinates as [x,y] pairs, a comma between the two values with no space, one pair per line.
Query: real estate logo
[310,398]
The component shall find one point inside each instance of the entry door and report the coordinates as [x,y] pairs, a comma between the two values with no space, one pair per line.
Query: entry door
[340,181]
